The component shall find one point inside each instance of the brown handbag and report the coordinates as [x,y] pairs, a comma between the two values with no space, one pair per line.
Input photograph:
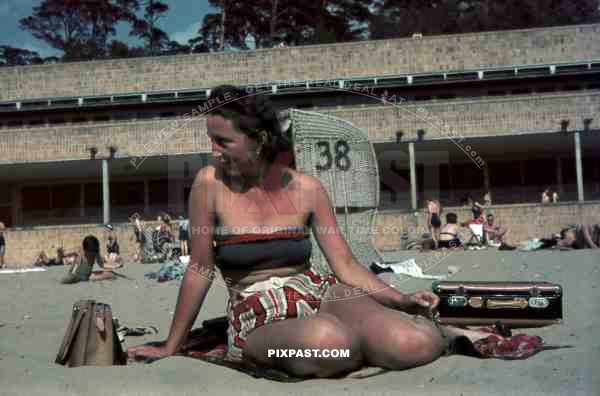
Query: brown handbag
[515,304]
[91,338]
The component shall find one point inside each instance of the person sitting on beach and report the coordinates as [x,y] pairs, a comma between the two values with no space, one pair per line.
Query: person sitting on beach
[81,269]
[475,226]
[113,251]
[277,300]
[44,261]
[494,233]
[449,233]
[140,240]
[433,218]
[165,233]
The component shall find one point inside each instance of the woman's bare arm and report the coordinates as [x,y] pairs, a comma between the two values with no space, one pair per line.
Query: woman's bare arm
[340,257]
[195,283]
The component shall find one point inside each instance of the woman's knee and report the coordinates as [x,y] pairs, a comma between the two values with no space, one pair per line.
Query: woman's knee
[427,344]
[337,347]
[328,332]
[406,348]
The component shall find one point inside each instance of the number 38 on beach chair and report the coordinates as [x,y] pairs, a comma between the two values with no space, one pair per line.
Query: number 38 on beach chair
[341,156]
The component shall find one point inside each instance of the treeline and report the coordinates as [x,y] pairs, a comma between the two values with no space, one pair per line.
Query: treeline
[86,29]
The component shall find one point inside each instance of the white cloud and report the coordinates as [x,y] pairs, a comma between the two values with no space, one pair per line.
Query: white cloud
[182,37]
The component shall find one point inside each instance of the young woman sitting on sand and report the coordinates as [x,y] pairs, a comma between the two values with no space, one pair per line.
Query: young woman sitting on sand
[276,300]
[81,268]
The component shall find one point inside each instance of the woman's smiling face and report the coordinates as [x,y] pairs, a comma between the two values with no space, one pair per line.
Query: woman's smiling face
[232,150]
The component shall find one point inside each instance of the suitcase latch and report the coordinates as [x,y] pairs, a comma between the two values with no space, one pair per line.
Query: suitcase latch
[539,302]
[457,301]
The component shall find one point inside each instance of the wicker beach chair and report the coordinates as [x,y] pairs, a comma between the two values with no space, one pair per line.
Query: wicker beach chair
[343,158]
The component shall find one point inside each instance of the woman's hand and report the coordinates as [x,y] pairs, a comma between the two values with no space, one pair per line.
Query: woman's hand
[153,351]
[419,303]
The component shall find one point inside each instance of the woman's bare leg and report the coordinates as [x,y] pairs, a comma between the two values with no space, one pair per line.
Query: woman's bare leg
[390,338]
[316,332]
[374,334]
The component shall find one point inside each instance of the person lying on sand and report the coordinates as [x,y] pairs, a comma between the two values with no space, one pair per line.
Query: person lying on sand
[580,236]
[276,299]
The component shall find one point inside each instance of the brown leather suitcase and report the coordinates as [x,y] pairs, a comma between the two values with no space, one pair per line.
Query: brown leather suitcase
[514,304]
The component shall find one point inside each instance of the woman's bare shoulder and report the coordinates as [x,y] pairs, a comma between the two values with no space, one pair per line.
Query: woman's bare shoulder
[206,179]
[206,174]
[306,183]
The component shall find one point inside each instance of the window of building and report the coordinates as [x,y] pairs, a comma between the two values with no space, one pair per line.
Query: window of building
[521,91]
[546,89]
[102,118]
[65,196]
[93,195]
[158,192]
[127,193]
[36,198]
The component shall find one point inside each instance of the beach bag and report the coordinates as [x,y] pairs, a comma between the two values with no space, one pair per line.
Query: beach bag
[91,338]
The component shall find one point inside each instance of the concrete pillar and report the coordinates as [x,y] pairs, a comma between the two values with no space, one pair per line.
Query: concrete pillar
[146,197]
[486,177]
[180,197]
[597,174]
[413,176]
[522,170]
[82,200]
[17,209]
[559,178]
[452,196]
[105,193]
[578,166]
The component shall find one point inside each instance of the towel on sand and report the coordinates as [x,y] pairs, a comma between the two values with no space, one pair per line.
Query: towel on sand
[21,270]
[408,267]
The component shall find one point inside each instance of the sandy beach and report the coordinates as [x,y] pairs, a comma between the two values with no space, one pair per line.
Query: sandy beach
[35,309]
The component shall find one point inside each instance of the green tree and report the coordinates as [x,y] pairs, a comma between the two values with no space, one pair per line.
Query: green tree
[269,22]
[400,18]
[79,28]
[12,56]
[156,40]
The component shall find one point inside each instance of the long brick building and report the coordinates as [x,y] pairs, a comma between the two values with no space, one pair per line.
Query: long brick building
[512,112]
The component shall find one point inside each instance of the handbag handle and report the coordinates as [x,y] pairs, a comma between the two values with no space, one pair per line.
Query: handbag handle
[65,348]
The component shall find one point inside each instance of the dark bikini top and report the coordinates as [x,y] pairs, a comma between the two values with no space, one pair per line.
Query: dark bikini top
[288,247]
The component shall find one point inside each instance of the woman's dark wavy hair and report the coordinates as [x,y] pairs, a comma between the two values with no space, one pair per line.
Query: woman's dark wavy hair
[91,244]
[250,114]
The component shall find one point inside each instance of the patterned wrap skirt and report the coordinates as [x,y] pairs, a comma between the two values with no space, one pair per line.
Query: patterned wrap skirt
[272,300]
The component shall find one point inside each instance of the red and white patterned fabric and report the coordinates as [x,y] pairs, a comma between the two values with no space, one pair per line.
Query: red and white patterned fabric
[271,301]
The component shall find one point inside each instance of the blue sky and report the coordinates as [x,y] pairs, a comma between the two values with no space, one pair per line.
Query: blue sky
[181,22]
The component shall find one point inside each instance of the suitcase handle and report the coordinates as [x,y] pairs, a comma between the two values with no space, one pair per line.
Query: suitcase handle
[518,303]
